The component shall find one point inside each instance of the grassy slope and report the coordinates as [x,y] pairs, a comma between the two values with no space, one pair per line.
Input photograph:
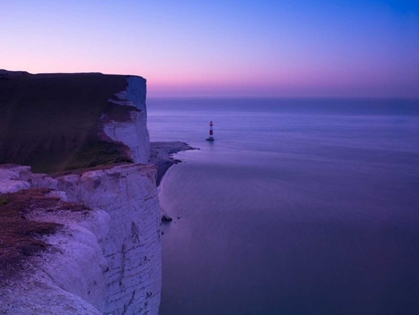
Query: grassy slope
[20,238]
[51,121]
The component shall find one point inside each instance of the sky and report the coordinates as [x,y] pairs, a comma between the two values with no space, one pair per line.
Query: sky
[229,48]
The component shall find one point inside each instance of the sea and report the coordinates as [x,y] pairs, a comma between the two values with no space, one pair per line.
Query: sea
[299,206]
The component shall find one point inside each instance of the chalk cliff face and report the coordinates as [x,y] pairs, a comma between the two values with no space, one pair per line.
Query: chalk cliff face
[107,259]
[132,247]
[133,132]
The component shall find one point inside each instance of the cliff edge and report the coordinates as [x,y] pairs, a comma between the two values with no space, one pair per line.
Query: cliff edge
[59,122]
[84,238]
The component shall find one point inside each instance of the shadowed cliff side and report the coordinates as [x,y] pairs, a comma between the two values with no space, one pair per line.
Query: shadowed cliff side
[54,122]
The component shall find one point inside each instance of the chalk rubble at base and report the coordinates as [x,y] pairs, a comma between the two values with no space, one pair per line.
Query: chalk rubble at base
[161,156]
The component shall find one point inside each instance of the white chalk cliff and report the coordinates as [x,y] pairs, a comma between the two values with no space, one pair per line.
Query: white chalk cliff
[132,133]
[105,260]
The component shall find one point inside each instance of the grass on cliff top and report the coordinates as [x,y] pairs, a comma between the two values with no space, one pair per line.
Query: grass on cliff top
[19,237]
[52,121]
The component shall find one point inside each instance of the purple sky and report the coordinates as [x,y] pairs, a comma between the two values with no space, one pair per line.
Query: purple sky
[228,48]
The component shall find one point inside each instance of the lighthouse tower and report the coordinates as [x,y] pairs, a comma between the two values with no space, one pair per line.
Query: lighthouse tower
[210,138]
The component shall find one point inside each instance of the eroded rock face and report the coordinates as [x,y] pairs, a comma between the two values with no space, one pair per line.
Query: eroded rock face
[133,132]
[14,178]
[105,260]
[132,248]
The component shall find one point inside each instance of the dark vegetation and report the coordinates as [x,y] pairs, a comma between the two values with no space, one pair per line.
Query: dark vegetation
[52,122]
[19,237]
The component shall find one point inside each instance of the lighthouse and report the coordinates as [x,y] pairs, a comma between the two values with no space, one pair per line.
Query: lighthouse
[210,138]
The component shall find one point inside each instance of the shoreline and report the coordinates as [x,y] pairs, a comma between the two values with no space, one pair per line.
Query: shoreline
[161,156]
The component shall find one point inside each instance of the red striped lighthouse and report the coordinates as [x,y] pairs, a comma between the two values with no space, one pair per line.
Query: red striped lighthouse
[210,138]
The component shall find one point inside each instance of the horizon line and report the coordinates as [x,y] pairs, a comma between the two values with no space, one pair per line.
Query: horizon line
[287,97]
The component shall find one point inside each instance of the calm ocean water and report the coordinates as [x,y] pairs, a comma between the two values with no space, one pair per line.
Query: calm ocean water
[298,207]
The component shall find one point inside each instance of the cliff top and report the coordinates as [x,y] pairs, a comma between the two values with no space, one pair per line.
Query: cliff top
[52,122]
